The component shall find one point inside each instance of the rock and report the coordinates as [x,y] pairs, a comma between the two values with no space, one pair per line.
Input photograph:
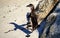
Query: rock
[49,22]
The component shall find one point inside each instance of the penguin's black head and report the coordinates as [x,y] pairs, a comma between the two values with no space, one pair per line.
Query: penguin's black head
[30,5]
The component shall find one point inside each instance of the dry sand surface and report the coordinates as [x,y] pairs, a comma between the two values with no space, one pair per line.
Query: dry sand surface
[14,11]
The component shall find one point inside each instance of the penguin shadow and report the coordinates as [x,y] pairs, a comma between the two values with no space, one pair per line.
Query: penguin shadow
[20,27]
